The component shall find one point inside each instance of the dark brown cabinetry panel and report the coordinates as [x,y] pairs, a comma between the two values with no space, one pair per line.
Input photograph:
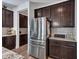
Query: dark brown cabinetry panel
[38,13]
[61,14]
[56,15]
[62,49]
[9,42]
[46,12]
[3,17]
[23,39]
[68,52]
[7,18]
[54,51]
[23,21]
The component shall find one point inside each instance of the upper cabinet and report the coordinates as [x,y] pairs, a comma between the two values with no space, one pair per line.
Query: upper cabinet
[46,12]
[23,21]
[61,15]
[7,18]
[38,13]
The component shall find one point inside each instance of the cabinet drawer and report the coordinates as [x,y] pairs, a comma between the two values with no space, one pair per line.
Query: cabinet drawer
[54,42]
[71,44]
[62,43]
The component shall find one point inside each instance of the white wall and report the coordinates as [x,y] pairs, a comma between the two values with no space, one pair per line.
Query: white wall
[14,2]
[21,7]
[40,5]
[24,12]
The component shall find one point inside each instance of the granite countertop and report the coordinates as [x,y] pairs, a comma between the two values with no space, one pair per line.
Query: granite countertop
[8,54]
[63,39]
[8,35]
[13,35]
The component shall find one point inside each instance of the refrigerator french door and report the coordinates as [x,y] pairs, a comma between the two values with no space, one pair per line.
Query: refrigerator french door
[37,43]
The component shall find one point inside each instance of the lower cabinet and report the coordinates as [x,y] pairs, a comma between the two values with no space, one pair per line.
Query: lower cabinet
[68,52]
[23,39]
[54,51]
[62,49]
[9,42]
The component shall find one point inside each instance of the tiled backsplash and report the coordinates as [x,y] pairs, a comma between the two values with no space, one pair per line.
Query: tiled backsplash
[5,30]
[24,30]
[65,31]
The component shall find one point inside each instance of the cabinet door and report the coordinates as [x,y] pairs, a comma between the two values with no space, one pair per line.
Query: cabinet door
[23,21]
[3,18]
[23,39]
[68,14]
[55,15]
[55,51]
[9,42]
[62,14]
[3,41]
[46,12]
[38,13]
[69,52]
[20,20]
[9,18]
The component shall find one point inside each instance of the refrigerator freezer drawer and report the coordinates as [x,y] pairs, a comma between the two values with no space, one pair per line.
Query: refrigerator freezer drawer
[42,53]
[38,51]
[34,51]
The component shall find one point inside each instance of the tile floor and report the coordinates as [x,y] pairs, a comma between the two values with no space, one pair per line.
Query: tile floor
[23,51]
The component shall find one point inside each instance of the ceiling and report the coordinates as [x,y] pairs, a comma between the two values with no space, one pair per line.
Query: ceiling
[46,1]
[13,3]
[24,12]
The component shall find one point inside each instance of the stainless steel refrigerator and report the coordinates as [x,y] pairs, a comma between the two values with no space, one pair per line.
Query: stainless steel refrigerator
[38,35]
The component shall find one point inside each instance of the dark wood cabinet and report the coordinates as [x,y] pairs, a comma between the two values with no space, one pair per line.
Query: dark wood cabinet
[23,39]
[68,52]
[54,51]
[61,14]
[9,42]
[38,13]
[46,12]
[55,15]
[62,49]
[3,17]
[7,18]
[23,20]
